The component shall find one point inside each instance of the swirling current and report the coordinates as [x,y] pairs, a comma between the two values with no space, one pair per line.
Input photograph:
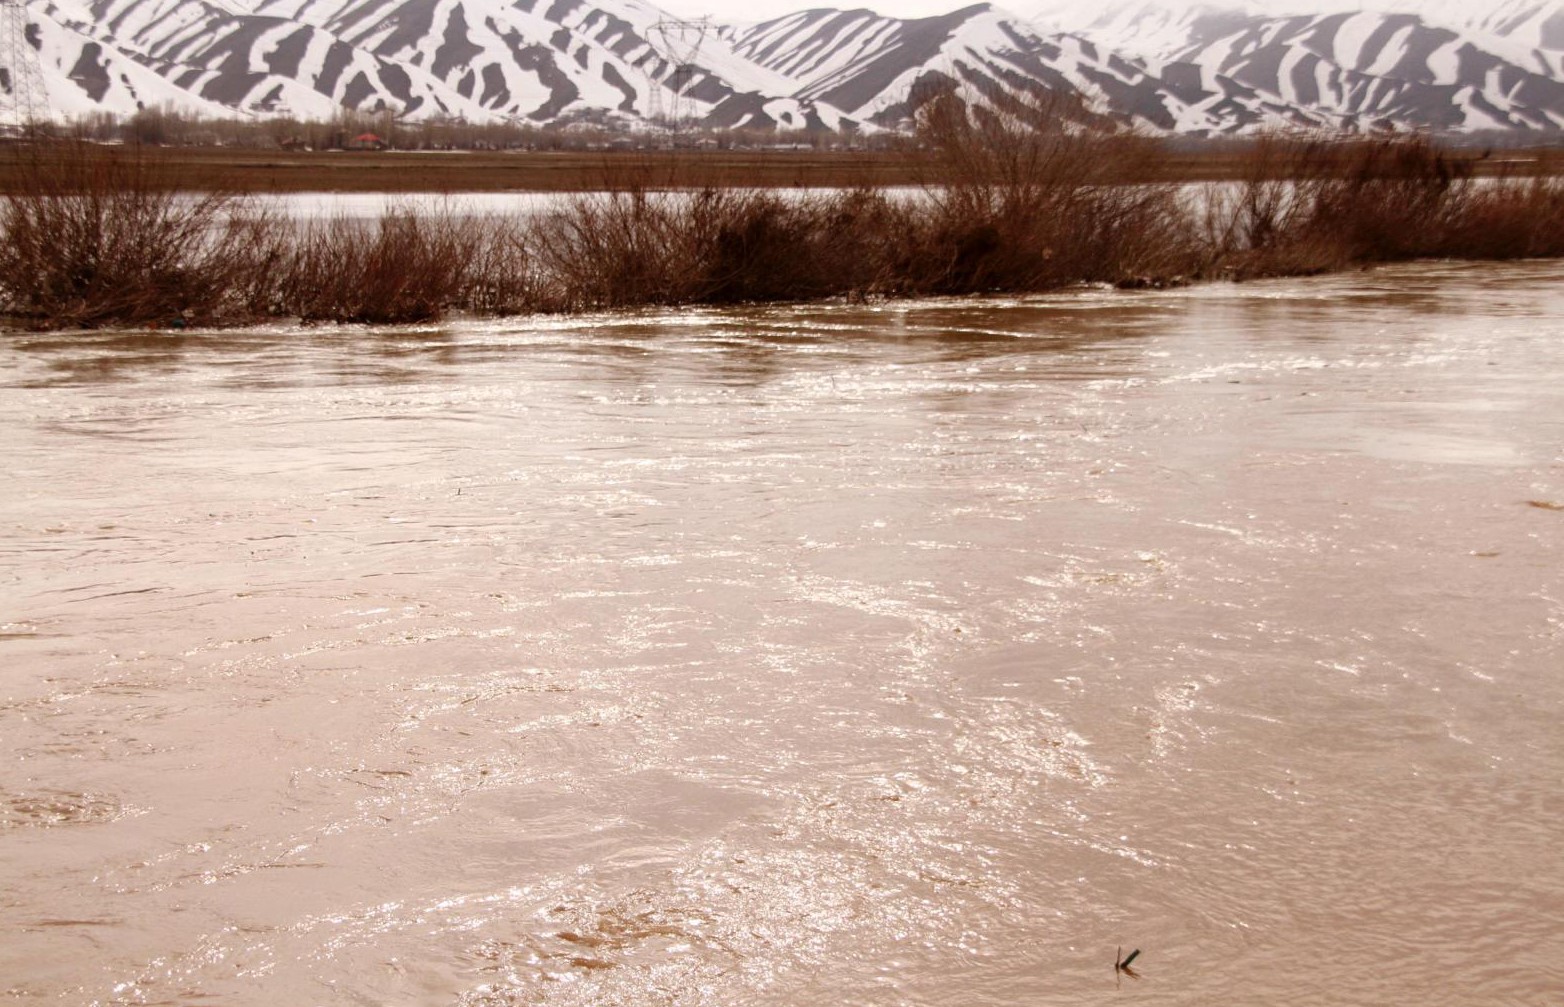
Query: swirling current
[933,652]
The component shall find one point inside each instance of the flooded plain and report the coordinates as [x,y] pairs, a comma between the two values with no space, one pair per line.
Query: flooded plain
[913,653]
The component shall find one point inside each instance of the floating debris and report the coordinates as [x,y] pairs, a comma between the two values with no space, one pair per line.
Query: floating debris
[1121,962]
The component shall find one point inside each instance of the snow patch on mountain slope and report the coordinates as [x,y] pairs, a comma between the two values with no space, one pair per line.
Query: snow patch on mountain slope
[1223,65]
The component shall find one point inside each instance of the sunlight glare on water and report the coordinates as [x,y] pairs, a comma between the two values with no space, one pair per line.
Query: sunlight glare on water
[905,653]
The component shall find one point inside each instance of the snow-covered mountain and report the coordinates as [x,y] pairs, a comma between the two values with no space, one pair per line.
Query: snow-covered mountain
[527,60]
[1357,69]
[873,67]
[1217,67]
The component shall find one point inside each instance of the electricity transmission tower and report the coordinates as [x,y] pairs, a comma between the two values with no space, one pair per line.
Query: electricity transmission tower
[22,95]
[677,44]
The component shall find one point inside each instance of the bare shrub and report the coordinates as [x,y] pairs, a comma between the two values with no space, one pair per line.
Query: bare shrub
[1509,219]
[1308,205]
[766,246]
[95,237]
[755,246]
[407,266]
[615,249]
[1263,225]
[718,246]
[1029,194]
[859,241]
[502,276]
[1391,198]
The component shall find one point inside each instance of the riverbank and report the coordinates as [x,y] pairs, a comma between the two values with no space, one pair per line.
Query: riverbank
[108,237]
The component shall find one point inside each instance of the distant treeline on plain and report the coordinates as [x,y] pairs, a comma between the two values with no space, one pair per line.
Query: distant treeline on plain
[353,130]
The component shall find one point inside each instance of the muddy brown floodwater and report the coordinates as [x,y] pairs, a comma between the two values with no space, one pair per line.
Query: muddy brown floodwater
[919,653]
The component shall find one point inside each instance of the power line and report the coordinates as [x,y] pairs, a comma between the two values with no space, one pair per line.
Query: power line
[23,98]
[677,43]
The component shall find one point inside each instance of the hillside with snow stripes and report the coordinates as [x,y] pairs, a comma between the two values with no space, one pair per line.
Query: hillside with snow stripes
[1215,68]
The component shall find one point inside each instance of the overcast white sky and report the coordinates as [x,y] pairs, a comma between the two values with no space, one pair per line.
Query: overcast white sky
[761,10]
[737,11]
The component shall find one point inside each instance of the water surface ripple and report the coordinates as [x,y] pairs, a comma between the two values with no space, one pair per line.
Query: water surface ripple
[918,653]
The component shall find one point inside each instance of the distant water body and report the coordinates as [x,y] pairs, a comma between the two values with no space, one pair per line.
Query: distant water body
[915,653]
[369,205]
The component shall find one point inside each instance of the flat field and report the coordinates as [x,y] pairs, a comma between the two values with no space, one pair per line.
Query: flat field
[246,170]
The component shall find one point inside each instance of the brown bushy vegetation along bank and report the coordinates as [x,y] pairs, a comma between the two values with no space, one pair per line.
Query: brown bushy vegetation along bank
[1025,203]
